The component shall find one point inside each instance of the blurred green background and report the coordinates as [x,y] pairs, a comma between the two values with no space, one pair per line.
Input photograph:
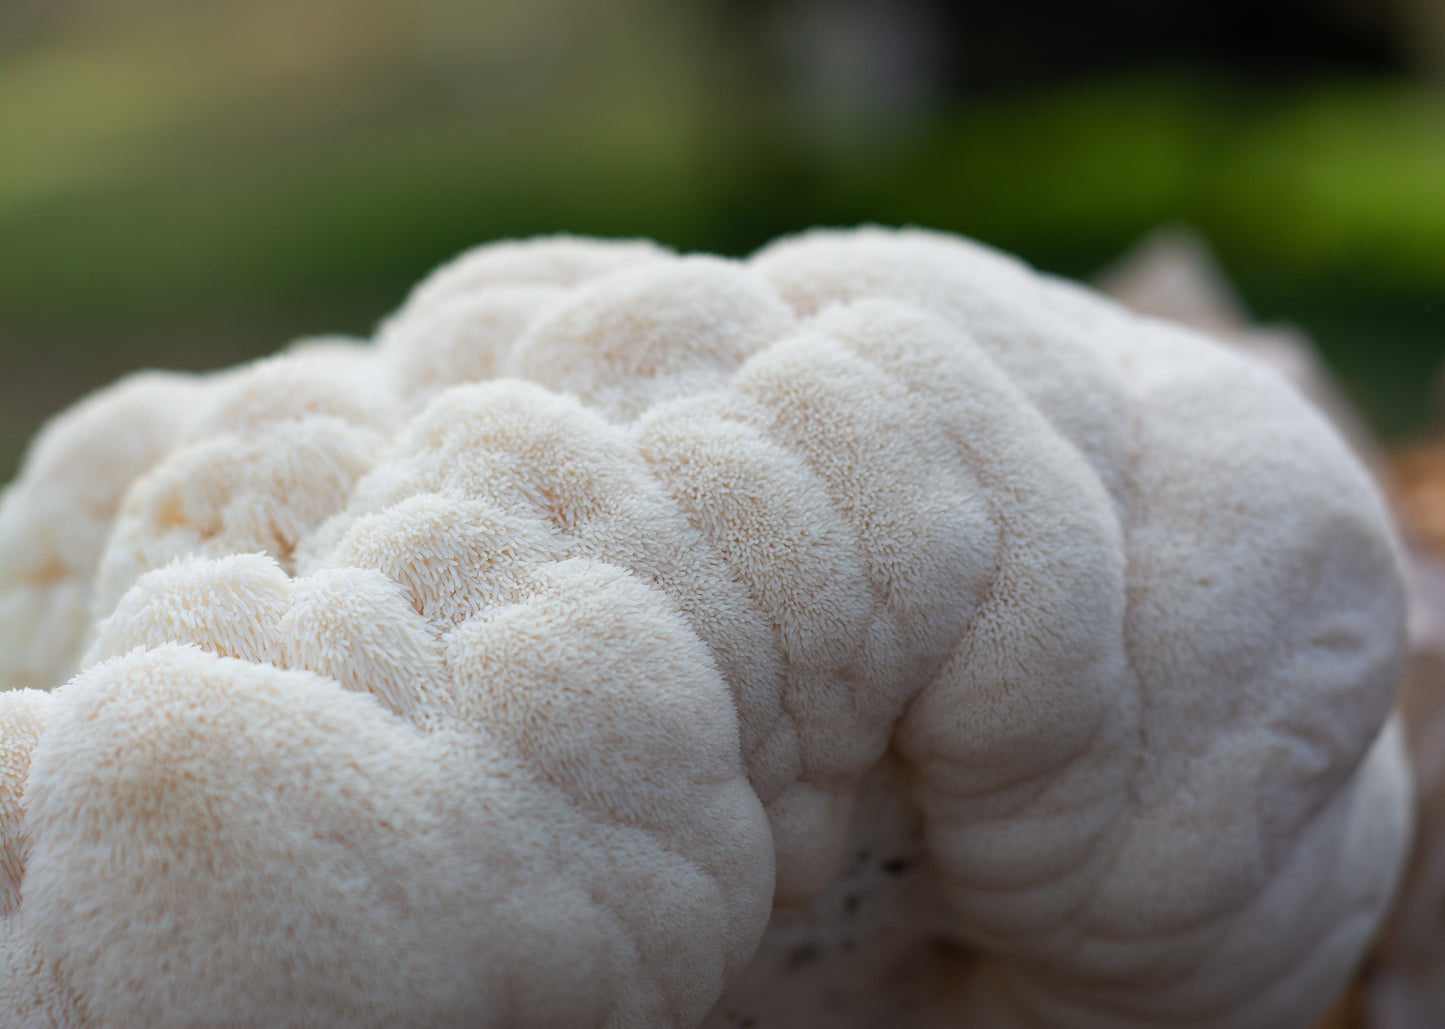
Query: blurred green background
[188,183]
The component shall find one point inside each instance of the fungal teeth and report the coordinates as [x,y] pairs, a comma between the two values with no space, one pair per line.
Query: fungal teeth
[23,714]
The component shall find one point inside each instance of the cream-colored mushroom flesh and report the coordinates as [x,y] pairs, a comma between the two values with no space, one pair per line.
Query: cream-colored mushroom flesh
[868,632]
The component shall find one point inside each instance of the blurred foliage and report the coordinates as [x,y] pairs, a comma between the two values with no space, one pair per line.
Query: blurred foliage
[193,183]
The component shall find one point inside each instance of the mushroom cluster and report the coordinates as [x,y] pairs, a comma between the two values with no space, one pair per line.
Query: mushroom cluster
[872,631]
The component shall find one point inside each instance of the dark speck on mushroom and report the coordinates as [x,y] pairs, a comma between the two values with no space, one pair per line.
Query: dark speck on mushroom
[801,956]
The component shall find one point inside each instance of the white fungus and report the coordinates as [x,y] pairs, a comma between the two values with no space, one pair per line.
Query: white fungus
[871,630]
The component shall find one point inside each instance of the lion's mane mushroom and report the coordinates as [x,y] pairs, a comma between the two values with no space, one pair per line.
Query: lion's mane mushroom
[869,632]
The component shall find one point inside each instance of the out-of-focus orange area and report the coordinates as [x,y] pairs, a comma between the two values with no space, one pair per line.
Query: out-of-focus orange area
[1418,477]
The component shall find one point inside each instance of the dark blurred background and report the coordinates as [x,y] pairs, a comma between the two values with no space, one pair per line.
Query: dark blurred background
[191,182]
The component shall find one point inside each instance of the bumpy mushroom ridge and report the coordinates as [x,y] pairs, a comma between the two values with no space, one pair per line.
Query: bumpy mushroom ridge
[872,631]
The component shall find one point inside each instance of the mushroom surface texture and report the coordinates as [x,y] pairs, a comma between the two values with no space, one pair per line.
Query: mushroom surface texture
[869,632]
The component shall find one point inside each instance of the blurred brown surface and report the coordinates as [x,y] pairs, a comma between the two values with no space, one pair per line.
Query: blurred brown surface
[1348,1013]
[1417,478]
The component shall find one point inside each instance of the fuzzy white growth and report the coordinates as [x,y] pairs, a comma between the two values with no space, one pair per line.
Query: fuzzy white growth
[230,606]
[55,519]
[518,669]
[22,720]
